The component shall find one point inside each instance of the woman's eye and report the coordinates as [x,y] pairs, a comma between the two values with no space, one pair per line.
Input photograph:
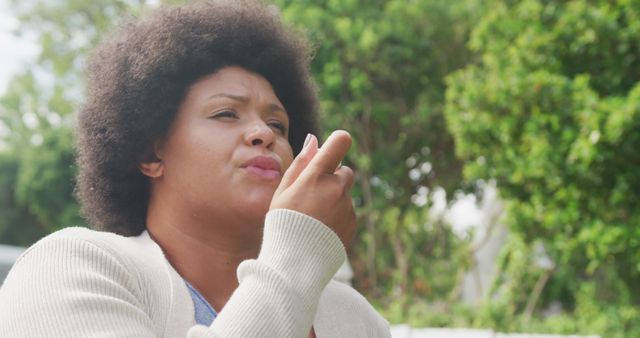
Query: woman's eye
[225,113]
[282,129]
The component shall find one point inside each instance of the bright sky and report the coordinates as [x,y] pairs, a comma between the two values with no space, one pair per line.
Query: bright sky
[14,51]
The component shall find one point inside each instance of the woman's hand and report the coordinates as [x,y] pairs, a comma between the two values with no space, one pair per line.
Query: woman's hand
[316,186]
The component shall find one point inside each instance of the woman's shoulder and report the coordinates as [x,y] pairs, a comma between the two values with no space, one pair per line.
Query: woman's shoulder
[74,240]
[341,307]
[95,277]
[83,250]
[84,234]
[78,260]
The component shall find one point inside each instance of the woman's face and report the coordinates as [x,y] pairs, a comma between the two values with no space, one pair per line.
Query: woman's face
[227,149]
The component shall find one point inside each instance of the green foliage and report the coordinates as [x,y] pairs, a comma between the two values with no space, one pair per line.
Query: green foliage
[590,317]
[383,81]
[551,113]
[37,110]
[380,69]
[16,223]
[45,182]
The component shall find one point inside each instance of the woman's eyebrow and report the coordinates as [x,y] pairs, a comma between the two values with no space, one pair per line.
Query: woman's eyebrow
[274,107]
[230,96]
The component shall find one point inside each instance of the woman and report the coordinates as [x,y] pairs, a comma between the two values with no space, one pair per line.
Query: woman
[209,226]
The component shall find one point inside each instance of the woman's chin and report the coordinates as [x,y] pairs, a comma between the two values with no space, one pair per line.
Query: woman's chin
[259,198]
[257,208]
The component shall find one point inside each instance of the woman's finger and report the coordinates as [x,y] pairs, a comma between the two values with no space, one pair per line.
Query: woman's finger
[299,163]
[331,154]
[345,174]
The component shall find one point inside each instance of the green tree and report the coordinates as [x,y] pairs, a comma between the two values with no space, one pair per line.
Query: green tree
[551,112]
[380,68]
[36,152]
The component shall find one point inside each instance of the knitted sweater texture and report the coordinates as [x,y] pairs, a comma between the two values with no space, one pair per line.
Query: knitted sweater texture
[83,283]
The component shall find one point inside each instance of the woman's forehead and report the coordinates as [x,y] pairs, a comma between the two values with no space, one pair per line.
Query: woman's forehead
[236,84]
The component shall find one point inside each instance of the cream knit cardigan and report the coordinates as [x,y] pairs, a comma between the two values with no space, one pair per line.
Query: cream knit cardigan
[83,283]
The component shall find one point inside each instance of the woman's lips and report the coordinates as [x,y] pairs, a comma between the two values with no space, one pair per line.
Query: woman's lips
[264,167]
[264,173]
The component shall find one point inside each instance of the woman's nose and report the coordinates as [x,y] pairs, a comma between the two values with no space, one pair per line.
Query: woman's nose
[260,134]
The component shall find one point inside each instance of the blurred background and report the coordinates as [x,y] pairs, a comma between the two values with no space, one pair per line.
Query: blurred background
[497,149]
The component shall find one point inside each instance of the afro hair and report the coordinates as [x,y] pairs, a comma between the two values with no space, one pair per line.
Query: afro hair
[139,76]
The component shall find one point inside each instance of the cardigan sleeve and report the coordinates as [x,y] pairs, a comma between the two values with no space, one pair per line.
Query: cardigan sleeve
[69,287]
[279,291]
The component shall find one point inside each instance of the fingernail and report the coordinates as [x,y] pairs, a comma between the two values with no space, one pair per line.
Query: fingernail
[307,140]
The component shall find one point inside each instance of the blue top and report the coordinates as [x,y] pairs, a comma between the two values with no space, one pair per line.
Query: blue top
[204,313]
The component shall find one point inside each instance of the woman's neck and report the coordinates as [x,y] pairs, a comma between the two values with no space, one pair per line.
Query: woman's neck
[206,255]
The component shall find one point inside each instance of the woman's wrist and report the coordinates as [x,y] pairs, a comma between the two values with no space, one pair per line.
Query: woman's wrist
[300,248]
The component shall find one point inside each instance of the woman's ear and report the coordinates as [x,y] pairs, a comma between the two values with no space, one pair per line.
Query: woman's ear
[152,165]
[152,169]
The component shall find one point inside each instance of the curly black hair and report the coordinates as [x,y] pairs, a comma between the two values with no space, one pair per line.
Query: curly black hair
[139,77]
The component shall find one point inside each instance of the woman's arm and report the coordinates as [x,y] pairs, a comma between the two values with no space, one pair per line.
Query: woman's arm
[70,287]
[73,285]
[279,291]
